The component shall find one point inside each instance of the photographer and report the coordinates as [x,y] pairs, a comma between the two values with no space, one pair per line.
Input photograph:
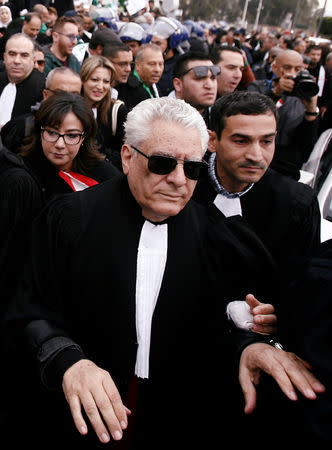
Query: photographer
[295,95]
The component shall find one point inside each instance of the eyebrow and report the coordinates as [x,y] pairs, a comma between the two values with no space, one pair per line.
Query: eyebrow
[250,137]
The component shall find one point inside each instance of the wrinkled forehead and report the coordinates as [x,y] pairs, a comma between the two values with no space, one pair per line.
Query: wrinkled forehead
[20,45]
[289,60]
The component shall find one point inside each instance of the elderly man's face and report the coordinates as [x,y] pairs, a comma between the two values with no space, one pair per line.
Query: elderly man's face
[288,63]
[162,196]
[151,67]
[63,82]
[32,28]
[18,59]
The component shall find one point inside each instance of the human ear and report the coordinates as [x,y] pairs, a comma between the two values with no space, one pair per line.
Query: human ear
[177,83]
[126,156]
[213,141]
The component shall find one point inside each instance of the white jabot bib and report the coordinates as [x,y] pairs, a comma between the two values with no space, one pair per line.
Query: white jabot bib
[228,206]
[151,261]
[7,100]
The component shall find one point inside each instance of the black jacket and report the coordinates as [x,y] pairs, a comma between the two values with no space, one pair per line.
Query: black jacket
[29,92]
[296,136]
[132,92]
[284,214]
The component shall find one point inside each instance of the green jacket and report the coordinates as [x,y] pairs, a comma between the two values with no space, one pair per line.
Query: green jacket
[51,61]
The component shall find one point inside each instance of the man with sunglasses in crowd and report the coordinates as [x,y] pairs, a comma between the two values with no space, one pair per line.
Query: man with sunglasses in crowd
[116,300]
[60,52]
[195,81]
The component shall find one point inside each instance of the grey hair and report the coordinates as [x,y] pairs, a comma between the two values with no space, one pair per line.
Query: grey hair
[61,69]
[139,123]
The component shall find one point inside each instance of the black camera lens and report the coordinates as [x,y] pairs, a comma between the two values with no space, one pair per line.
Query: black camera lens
[305,85]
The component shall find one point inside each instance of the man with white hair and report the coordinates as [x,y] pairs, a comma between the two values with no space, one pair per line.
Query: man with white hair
[117,304]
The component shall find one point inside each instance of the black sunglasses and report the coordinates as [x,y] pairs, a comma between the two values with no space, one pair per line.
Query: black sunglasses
[202,71]
[163,165]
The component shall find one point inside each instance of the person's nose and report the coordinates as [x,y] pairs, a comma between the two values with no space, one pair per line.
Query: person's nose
[238,74]
[60,143]
[254,152]
[209,82]
[177,176]
[17,59]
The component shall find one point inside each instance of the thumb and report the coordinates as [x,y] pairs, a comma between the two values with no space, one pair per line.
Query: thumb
[252,301]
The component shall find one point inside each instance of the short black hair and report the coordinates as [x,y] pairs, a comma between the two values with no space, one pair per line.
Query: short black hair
[111,50]
[103,36]
[313,47]
[181,64]
[239,102]
[217,50]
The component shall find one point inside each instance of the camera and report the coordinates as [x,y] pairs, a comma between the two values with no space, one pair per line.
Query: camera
[305,85]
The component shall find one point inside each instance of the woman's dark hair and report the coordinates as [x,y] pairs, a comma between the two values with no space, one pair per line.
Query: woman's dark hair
[51,113]
[239,102]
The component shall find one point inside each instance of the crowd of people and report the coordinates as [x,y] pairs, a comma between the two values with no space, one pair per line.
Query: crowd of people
[163,277]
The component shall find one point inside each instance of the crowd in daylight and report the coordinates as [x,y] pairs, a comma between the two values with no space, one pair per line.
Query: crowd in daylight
[165,239]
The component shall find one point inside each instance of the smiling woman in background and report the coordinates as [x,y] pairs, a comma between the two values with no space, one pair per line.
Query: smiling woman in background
[97,74]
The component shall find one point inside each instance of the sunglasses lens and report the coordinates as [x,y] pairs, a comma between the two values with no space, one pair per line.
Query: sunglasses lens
[193,169]
[161,165]
[215,70]
[201,71]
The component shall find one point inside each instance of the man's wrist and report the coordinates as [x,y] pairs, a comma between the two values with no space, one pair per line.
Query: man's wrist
[312,113]
[275,344]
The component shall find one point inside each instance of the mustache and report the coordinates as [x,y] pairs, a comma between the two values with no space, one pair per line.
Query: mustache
[258,165]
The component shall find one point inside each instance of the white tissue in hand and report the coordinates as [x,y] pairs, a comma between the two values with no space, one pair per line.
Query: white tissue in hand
[239,312]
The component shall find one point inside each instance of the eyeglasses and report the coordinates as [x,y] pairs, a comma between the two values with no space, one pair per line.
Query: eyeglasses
[54,136]
[122,63]
[163,165]
[202,71]
[40,62]
[55,91]
[71,37]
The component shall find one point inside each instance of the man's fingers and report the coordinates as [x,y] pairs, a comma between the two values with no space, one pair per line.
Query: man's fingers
[75,408]
[102,416]
[301,377]
[120,411]
[252,301]
[267,319]
[249,392]
[264,329]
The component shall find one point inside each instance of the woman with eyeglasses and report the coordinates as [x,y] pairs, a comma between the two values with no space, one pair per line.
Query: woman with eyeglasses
[97,75]
[61,151]
[61,157]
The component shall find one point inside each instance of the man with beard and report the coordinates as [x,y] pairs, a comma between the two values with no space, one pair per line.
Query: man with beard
[64,35]
[195,82]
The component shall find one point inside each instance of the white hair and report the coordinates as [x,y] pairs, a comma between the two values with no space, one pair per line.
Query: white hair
[139,123]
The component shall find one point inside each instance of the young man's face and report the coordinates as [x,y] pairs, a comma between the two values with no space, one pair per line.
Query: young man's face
[198,92]
[232,65]
[245,149]
[122,64]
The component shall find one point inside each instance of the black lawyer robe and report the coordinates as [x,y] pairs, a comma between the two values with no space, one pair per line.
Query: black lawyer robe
[81,278]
